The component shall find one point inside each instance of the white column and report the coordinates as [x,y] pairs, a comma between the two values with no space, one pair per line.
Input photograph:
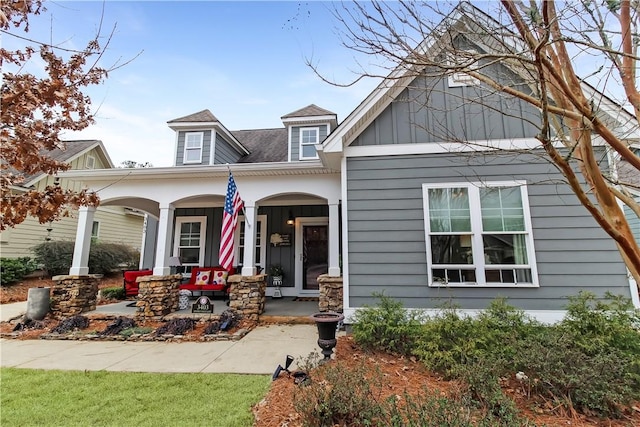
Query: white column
[334,240]
[80,263]
[163,246]
[250,218]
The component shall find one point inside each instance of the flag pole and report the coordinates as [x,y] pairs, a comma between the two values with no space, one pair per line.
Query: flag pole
[246,221]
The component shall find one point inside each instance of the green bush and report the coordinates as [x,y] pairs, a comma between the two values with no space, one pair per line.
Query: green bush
[589,361]
[344,397]
[56,257]
[13,270]
[388,326]
[116,292]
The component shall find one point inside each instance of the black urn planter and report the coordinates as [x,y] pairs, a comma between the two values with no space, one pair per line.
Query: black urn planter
[327,323]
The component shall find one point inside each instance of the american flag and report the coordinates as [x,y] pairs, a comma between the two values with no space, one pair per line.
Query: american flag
[232,205]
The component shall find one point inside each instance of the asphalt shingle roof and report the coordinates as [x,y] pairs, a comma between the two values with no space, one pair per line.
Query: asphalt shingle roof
[264,145]
[309,111]
[200,116]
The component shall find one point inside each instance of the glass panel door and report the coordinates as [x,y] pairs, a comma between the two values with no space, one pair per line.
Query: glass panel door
[314,255]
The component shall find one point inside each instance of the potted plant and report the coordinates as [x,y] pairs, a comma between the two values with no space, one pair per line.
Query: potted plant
[277,273]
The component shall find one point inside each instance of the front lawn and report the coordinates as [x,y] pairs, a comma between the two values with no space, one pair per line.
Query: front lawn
[72,398]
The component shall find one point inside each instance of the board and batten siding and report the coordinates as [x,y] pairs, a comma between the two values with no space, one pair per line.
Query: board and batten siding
[323,132]
[430,111]
[386,233]
[206,147]
[224,153]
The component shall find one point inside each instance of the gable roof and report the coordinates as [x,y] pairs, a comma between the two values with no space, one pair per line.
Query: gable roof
[200,116]
[463,16]
[310,110]
[73,149]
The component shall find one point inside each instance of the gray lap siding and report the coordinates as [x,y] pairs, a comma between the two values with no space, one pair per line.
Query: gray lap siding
[386,235]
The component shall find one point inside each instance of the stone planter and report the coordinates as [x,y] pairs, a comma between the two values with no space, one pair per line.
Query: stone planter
[327,323]
[38,303]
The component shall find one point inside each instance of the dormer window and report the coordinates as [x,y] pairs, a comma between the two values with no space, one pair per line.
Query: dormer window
[193,147]
[308,140]
[90,162]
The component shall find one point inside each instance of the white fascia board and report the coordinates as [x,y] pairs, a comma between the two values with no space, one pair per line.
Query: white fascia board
[193,172]
[306,119]
[192,125]
[330,160]
[628,124]
[443,147]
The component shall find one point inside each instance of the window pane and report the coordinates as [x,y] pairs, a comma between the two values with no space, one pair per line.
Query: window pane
[453,275]
[509,275]
[309,136]
[192,155]
[190,255]
[451,250]
[449,210]
[505,249]
[501,209]
[308,151]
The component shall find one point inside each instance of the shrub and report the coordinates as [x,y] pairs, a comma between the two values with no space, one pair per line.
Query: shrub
[13,270]
[116,292]
[388,326]
[344,397]
[56,257]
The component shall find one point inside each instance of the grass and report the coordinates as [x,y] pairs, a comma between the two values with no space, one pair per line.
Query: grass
[74,398]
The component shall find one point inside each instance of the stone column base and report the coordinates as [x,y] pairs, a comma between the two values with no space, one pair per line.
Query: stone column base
[247,295]
[157,296]
[73,295]
[330,293]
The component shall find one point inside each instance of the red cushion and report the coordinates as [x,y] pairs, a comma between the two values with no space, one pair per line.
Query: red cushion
[130,281]
[195,270]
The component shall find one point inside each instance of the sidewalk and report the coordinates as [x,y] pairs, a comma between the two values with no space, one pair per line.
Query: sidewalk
[259,352]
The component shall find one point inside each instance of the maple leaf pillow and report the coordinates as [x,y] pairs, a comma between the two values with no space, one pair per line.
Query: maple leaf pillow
[202,278]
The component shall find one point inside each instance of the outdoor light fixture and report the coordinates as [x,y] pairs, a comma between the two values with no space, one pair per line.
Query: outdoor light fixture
[292,219]
[279,369]
[174,263]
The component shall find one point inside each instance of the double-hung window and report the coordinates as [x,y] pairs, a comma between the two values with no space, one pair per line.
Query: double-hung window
[479,234]
[193,147]
[309,137]
[189,241]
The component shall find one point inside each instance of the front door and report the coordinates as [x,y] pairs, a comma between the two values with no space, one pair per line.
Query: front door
[312,250]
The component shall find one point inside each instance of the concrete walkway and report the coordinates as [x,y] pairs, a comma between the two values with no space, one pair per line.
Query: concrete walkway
[259,352]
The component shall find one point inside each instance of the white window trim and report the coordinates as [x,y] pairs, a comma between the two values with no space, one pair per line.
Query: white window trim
[262,219]
[95,236]
[459,79]
[186,149]
[476,233]
[301,144]
[90,162]
[203,232]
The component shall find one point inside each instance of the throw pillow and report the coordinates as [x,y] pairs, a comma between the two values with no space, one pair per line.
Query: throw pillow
[202,278]
[220,277]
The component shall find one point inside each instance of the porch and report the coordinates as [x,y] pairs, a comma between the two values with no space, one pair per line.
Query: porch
[296,310]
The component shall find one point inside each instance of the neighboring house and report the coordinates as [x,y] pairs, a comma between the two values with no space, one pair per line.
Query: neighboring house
[110,224]
[385,199]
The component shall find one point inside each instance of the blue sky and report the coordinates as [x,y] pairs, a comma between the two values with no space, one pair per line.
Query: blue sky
[244,61]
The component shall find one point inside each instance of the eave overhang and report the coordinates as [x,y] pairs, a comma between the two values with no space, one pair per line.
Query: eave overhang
[198,171]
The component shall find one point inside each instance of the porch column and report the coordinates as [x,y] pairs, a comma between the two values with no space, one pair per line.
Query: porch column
[334,239]
[249,263]
[163,247]
[80,263]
